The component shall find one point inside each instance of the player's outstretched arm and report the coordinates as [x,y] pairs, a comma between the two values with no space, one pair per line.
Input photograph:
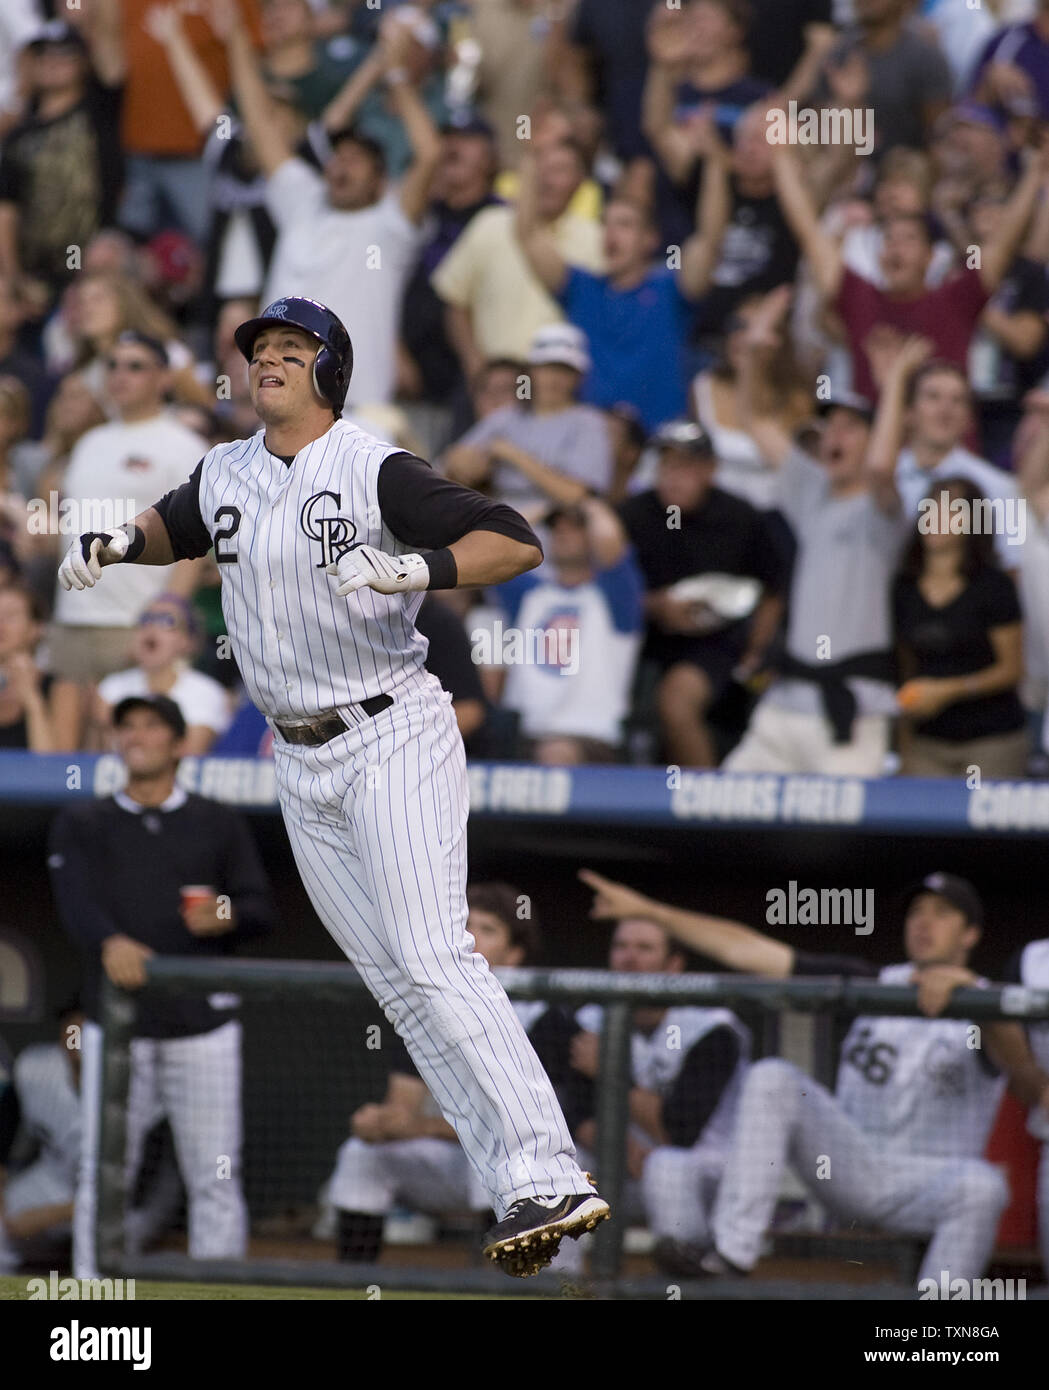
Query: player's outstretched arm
[468,539]
[144,542]
[481,557]
[172,529]
[486,557]
[157,548]
[731,943]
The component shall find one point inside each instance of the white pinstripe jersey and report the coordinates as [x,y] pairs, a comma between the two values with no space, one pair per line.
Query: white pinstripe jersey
[657,1057]
[917,1083]
[275,527]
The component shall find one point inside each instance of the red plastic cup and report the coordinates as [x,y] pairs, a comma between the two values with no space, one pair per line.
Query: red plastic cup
[194,893]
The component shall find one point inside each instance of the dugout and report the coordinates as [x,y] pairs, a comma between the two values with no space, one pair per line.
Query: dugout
[686,843]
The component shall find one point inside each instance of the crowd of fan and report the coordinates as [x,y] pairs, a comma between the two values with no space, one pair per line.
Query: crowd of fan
[778,406]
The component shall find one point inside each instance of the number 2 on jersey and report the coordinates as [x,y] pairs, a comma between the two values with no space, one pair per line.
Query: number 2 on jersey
[224,555]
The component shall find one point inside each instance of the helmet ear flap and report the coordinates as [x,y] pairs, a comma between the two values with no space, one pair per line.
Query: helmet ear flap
[329,380]
[317,375]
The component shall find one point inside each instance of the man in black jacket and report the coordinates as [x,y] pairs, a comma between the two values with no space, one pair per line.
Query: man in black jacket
[120,871]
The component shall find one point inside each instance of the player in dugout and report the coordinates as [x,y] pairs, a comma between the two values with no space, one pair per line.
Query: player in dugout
[687,1067]
[40,1111]
[905,1131]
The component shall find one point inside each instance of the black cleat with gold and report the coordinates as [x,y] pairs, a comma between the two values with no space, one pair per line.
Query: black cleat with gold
[529,1236]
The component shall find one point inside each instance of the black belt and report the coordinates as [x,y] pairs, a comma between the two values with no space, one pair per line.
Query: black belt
[328,726]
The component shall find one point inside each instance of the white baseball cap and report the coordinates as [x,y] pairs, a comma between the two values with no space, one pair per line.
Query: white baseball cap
[560,343]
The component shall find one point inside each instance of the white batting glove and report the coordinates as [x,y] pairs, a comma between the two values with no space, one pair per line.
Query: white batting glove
[365,568]
[82,566]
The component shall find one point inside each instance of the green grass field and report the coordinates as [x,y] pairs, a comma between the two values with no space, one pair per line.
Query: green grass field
[14,1287]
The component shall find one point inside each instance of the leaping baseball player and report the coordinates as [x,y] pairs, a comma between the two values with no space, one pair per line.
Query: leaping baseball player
[326,539]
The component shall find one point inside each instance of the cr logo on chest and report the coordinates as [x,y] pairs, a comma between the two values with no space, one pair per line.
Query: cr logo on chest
[335,533]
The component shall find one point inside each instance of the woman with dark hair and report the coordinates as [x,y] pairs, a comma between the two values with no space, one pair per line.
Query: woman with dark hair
[960,640]
[24,718]
[780,393]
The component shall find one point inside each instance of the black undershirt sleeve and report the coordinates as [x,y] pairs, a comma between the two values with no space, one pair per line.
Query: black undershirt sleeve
[698,1086]
[423,509]
[180,512]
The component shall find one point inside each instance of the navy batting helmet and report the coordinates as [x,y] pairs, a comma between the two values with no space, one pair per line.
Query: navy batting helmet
[333,365]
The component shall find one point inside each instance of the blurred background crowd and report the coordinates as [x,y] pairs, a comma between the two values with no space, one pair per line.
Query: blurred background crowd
[621,264]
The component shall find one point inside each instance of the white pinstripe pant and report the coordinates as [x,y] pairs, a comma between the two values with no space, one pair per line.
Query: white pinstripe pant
[377,822]
[195,1082]
[785,1116]
[679,1187]
[430,1175]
